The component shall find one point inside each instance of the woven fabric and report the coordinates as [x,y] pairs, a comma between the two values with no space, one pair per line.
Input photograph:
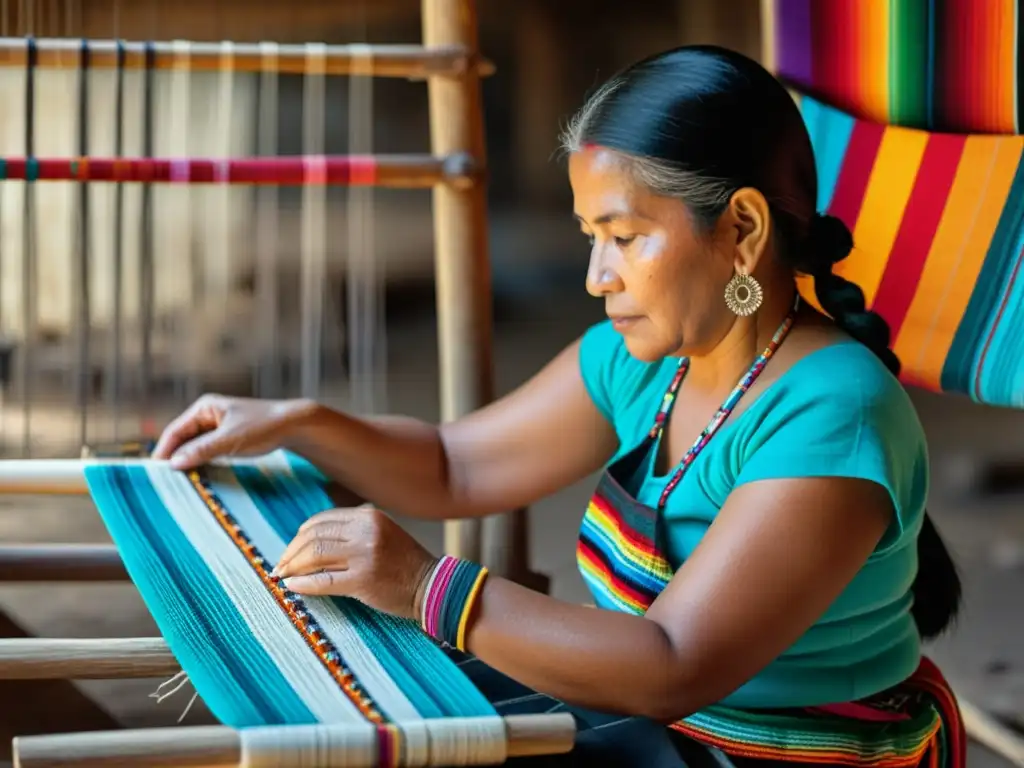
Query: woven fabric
[938,229]
[199,547]
[945,65]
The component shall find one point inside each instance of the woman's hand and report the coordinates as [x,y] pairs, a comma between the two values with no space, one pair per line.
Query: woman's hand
[216,426]
[361,553]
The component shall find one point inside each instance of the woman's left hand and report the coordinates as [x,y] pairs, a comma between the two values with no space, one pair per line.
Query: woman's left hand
[361,553]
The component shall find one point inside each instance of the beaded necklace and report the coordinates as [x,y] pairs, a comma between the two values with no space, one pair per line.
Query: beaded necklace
[723,411]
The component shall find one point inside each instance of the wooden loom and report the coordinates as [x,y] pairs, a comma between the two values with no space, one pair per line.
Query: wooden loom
[455,171]
[83,659]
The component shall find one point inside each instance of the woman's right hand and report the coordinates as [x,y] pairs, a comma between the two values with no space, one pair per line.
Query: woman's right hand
[215,426]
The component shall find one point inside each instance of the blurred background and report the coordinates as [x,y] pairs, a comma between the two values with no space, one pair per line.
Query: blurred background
[206,246]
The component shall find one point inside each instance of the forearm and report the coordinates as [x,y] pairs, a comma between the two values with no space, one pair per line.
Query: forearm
[601,660]
[396,463]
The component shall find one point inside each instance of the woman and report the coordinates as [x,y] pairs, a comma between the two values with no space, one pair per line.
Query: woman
[758,537]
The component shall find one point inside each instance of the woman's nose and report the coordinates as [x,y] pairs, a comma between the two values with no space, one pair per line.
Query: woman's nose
[601,277]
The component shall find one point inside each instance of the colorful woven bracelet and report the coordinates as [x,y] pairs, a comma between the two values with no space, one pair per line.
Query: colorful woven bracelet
[449,598]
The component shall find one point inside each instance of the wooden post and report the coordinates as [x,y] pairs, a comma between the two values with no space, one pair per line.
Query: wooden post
[463,276]
[462,267]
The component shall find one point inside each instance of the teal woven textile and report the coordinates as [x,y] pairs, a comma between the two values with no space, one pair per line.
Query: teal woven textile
[199,548]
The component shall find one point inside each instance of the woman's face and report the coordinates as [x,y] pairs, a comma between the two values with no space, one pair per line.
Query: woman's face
[662,281]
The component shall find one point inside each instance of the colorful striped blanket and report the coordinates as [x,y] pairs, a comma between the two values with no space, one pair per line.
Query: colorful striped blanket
[944,65]
[938,227]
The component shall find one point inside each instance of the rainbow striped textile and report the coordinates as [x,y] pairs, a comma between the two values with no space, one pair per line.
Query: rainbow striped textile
[943,65]
[199,546]
[938,227]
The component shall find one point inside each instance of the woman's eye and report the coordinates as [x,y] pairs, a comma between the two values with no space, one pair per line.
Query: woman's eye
[622,242]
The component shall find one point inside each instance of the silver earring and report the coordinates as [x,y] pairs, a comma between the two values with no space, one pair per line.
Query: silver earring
[743,295]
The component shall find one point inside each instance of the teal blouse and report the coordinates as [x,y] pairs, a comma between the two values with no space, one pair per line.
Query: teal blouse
[836,412]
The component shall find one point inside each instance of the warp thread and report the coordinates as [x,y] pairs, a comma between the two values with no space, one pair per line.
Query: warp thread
[179,681]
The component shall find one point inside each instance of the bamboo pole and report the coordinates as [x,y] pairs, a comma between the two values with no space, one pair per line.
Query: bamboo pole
[41,658]
[400,61]
[60,562]
[215,745]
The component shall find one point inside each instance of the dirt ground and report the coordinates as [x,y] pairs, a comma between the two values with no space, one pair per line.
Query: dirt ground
[984,657]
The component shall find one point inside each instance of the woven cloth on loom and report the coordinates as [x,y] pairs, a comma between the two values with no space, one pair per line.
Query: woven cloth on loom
[199,547]
[938,227]
[945,65]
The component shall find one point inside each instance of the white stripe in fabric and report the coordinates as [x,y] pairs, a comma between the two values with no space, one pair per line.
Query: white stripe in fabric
[256,607]
[357,656]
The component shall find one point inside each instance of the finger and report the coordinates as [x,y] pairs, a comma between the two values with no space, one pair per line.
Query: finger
[317,554]
[341,516]
[327,529]
[206,448]
[334,582]
[195,420]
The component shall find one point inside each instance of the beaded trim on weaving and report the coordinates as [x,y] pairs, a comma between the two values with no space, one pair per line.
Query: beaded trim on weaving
[291,603]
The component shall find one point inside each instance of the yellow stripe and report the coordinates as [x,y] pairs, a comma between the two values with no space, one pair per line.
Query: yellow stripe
[889,187]
[638,557]
[467,608]
[975,203]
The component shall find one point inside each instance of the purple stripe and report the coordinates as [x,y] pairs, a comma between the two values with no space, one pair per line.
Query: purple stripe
[793,40]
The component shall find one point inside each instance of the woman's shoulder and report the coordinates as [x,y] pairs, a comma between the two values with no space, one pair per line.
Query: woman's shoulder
[839,411]
[844,380]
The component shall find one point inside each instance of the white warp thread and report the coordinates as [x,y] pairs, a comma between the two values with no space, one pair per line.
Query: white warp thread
[452,741]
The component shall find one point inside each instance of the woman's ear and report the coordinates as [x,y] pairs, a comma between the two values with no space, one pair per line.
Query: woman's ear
[749,219]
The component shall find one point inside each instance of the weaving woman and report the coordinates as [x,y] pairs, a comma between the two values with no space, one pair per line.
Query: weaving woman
[758,540]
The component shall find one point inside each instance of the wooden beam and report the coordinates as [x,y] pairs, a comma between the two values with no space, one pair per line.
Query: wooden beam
[90,659]
[213,746]
[60,563]
[30,707]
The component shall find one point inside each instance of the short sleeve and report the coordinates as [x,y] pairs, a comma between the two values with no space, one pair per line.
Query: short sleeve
[600,355]
[847,421]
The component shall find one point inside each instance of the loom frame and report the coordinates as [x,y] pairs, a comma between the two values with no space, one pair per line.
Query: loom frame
[448,60]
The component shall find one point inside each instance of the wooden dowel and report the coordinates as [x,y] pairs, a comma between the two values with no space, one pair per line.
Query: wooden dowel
[216,745]
[60,562]
[989,732]
[53,476]
[401,61]
[67,476]
[85,659]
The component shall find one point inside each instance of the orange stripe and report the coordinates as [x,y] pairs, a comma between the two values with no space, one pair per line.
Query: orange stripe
[873,52]
[1001,69]
[878,223]
[961,243]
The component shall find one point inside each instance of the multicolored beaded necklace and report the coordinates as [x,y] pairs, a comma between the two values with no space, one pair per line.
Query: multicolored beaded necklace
[724,410]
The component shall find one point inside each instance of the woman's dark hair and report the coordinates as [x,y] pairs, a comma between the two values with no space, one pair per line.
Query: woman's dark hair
[700,122]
